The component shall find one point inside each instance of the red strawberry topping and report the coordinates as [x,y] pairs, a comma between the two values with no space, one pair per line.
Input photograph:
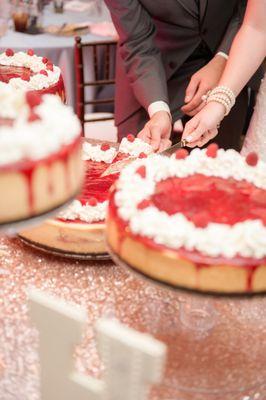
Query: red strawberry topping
[201,220]
[105,147]
[33,99]
[252,159]
[25,76]
[142,155]
[92,201]
[30,52]
[33,117]
[45,60]
[144,204]
[43,72]
[50,66]
[9,52]
[181,154]
[130,138]
[212,150]
[141,171]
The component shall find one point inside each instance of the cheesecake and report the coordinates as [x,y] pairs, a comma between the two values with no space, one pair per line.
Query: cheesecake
[40,154]
[194,221]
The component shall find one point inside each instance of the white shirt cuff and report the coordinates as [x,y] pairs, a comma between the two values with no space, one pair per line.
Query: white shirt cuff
[158,106]
[222,54]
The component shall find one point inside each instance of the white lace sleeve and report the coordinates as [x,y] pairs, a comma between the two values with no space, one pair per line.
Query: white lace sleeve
[256,135]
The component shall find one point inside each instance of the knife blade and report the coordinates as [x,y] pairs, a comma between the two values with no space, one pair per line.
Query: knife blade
[117,167]
[170,150]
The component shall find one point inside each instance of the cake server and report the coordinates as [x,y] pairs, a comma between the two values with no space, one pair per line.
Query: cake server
[117,167]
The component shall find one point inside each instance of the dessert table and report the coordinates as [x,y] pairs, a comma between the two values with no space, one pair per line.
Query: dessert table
[59,49]
[216,346]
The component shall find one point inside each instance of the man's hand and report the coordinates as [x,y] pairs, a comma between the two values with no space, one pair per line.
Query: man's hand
[157,131]
[200,83]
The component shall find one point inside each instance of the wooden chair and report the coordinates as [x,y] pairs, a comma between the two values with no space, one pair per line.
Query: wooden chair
[98,123]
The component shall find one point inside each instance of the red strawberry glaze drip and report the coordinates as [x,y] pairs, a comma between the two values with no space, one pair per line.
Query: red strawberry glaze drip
[27,168]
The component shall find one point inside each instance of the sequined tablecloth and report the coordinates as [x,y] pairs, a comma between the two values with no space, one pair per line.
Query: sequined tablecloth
[216,347]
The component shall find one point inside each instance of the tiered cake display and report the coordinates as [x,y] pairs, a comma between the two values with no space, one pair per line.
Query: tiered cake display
[40,161]
[80,229]
[29,72]
[196,222]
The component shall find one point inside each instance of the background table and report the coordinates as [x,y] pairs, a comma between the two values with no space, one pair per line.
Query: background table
[59,49]
[231,354]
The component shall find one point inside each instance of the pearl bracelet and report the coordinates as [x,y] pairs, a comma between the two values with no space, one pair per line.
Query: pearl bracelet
[222,95]
[225,90]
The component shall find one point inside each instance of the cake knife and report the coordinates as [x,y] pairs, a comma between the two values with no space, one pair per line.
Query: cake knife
[119,165]
[170,150]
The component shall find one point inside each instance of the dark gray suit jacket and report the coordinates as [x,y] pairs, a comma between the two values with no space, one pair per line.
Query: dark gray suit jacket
[156,37]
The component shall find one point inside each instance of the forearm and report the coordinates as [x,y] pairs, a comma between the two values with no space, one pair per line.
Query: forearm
[248,49]
[246,55]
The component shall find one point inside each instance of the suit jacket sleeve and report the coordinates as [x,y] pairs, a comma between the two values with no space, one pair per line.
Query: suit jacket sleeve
[233,27]
[142,59]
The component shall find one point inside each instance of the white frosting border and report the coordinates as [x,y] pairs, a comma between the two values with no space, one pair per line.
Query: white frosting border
[95,153]
[247,239]
[35,64]
[85,213]
[135,148]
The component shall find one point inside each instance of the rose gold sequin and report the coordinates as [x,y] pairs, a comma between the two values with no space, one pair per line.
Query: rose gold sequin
[224,359]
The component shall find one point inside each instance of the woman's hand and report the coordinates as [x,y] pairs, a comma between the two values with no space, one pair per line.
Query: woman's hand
[204,126]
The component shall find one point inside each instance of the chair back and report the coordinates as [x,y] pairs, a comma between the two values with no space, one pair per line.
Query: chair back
[103,53]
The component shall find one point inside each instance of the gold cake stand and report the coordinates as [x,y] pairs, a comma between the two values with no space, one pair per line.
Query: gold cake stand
[65,254]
